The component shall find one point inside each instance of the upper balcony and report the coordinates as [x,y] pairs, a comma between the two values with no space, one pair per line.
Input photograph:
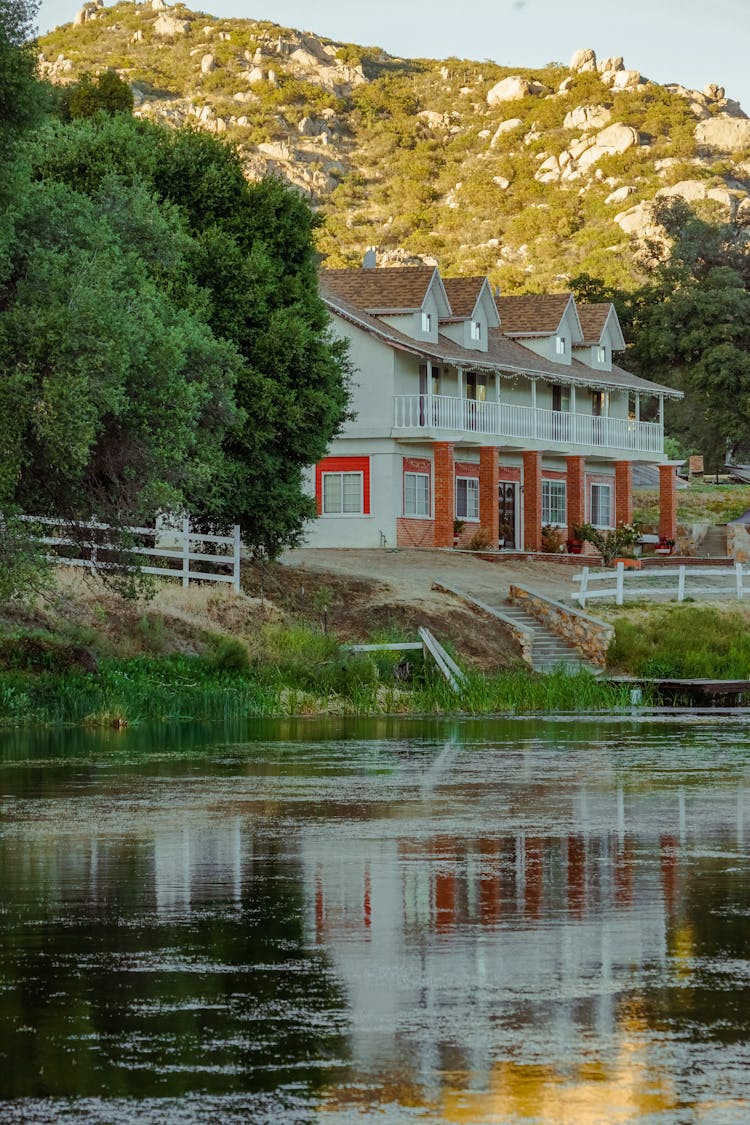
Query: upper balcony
[463,418]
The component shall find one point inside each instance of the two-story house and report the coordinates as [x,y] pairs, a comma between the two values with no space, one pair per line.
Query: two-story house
[505,413]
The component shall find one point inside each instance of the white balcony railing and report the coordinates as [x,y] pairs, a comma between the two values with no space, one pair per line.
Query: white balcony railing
[506,420]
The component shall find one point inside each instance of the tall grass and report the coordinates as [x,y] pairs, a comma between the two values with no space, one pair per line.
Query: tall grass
[287,671]
[683,642]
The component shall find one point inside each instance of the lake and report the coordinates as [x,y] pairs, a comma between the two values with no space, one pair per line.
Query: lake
[533,920]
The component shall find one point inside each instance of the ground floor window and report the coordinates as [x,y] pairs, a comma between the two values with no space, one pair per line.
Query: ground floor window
[342,486]
[416,494]
[467,498]
[601,505]
[342,494]
[554,507]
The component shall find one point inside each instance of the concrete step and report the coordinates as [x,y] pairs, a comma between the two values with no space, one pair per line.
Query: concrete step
[549,651]
[715,544]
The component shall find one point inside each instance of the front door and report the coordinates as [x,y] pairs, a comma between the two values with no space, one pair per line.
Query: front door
[508,499]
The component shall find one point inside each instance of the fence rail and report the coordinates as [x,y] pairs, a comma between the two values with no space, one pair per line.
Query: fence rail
[675,583]
[183,536]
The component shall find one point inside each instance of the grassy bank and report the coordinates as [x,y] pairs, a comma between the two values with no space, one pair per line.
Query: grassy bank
[308,677]
[682,641]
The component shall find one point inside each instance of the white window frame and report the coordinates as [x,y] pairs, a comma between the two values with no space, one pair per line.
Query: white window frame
[475,332]
[550,506]
[426,322]
[601,353]
[471,490]
[425,497]
[597,522]
[341,514]
[560,345]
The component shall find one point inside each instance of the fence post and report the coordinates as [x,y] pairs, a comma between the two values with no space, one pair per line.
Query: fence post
[738,574]
[237,548]
[584,587]
[186,551]
[620,596]
[681,584]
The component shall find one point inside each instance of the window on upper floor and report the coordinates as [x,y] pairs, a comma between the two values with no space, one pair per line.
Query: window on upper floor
[599,403]
[416,494]
[560,397]
[467,498]
[601,354]
[426,322]
[600,508]
[554,503]
[560,345]
[476,330]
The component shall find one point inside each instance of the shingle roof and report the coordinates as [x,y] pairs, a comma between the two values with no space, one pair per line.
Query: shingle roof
[593,318]
[463,294]
[503,354]
[397,289]
[532,313]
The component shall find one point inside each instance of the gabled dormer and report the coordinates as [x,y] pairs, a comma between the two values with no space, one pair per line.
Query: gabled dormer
[602,335]
[474,312]
[409,298]
[547,323]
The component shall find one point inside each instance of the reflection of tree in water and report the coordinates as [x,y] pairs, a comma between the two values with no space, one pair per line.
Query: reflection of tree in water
[115,986]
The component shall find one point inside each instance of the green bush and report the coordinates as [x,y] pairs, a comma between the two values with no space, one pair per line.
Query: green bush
[227,654]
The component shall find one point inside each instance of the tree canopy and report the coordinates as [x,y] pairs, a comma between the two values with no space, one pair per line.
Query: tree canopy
[162,341]
[251,261]
[688,327]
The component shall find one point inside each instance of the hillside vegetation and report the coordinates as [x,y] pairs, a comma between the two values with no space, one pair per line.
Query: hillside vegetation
[532,180]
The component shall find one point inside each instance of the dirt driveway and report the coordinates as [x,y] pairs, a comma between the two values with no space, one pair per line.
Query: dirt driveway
[410,573]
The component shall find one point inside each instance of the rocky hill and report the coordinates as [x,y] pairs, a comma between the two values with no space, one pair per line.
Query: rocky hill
[530,176]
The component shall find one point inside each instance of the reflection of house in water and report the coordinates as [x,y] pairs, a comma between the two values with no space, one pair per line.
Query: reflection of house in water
[198,864]
[453,947]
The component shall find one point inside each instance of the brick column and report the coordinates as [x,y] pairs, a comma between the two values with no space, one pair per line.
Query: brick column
[532,500]
[576,493]
[489,501]
[668,501]
[623,492]
[445,490]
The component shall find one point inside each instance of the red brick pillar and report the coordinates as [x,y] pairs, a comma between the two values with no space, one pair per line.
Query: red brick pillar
[445,490]
[489,501]
[623,492]
[668,501]
[532,500]
[576,493]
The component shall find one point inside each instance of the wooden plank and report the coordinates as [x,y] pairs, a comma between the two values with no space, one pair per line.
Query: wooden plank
[447,666]
[397,646]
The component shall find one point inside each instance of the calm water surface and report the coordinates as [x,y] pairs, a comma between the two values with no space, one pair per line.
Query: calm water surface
[516,921]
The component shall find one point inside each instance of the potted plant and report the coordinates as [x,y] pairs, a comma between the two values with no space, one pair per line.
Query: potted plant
[666,545]
[610,544]
[574,546]
[458,526]
[503,534]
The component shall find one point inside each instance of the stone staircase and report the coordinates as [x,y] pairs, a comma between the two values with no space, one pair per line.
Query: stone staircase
[714,546]
[548,650]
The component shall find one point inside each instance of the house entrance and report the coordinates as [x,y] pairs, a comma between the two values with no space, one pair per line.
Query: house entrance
[508,501]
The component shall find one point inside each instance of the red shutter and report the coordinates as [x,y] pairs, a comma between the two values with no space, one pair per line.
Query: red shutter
[343,465]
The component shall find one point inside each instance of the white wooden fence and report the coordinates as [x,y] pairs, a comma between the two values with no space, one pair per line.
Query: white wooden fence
[675,583]
[186,550]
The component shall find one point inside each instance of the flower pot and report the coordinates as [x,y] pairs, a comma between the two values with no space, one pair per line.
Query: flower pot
[574,546]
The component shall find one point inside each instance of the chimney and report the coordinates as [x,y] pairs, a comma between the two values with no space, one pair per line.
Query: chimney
[370,260]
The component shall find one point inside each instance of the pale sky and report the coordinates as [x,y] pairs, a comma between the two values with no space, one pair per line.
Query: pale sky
[693,42]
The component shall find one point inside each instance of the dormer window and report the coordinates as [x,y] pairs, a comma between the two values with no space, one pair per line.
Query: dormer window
[426,322]
[601,354]
[560,345]
[476,330]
